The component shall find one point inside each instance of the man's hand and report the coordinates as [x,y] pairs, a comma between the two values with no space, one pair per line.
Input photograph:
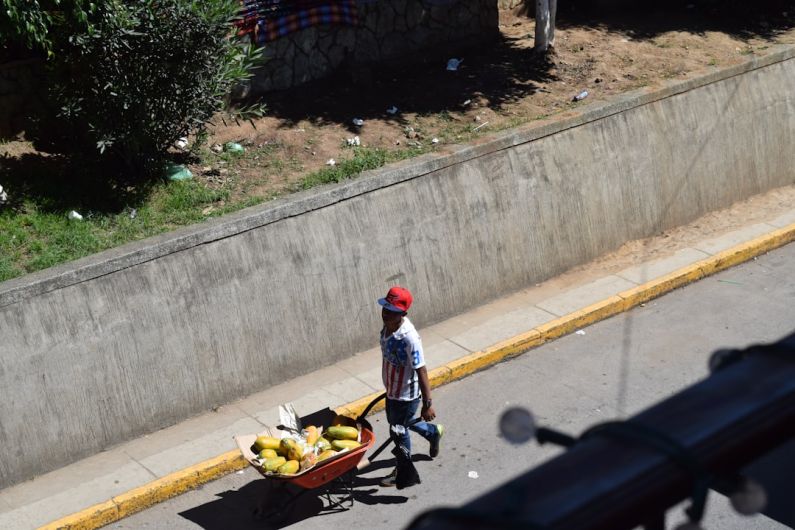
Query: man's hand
[428,414]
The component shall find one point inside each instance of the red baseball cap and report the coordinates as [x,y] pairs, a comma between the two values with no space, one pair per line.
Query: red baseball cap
[397,300]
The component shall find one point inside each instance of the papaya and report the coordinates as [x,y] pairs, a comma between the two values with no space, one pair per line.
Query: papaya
[311,435]
[339,445]
[291,450]
[267,453]
[323,444]
[288,468]
[339,432]
[326,454]
[308,461]
[272,464]
[266,442]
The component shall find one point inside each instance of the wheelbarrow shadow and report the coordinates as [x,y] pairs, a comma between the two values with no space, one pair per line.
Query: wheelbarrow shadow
[235,508]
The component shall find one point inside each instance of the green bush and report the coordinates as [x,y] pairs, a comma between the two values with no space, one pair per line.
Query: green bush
[31,23]
[144,74]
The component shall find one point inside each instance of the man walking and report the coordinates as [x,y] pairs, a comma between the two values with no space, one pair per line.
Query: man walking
[405,376]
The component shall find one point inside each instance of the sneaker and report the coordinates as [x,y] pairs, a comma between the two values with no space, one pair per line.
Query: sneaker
[390,480]
[434,452]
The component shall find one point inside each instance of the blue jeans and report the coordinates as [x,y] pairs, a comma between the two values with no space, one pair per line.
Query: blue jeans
[400,413]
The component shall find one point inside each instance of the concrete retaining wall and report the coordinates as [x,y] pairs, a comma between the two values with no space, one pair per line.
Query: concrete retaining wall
[137,338]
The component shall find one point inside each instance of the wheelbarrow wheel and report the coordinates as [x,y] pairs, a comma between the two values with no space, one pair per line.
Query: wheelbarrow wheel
[276,506]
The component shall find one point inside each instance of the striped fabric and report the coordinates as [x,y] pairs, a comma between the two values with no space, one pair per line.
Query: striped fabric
[402,357]
[269,20]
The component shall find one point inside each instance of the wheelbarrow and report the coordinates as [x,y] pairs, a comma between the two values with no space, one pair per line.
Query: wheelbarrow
[336,472]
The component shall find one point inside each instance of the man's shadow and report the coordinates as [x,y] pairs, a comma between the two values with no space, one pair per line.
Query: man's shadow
[236,508]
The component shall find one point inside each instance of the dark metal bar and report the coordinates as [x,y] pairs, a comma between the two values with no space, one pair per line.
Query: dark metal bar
[371,405]
[656,522]
[736,415]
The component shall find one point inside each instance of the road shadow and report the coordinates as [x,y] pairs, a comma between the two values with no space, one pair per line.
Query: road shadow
[56,183]
[646,20]
[504,70]
[236,509]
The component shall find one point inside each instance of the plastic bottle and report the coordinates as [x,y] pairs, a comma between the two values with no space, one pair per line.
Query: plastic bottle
[582,95]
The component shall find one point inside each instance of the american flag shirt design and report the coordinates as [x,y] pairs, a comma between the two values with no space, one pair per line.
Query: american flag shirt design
[402,357]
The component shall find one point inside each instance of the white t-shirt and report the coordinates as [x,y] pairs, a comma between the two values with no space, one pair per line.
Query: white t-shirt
[402,357]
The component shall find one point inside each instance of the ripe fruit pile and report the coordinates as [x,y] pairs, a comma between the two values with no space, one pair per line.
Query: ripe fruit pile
[289,455]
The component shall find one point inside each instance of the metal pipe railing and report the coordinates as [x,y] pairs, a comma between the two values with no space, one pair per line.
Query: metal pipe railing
[628,474]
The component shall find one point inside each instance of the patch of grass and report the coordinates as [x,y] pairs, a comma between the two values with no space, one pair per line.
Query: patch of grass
[32,239]
[364,159]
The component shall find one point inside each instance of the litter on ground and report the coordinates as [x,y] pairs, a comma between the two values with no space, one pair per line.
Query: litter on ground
[453,64]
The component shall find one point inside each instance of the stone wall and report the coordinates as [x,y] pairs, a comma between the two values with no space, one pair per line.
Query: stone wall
[388,30]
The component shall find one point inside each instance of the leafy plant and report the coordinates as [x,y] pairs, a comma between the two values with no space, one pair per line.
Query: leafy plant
[32,22]
[147,73]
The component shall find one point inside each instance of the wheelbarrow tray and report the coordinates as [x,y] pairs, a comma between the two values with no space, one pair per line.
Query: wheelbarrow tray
[319,474]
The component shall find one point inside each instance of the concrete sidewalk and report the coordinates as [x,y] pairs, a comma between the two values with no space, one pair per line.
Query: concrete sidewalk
[137,474]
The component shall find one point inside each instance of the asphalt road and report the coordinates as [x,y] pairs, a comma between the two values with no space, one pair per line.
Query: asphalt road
[615,369]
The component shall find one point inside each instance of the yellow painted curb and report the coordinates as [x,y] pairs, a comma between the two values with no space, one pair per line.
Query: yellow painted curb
[178,482]
[150,494]
[748,250]
[181,481]
[659,286]
[88,519]
[502,351]
[355,408]
[582,318]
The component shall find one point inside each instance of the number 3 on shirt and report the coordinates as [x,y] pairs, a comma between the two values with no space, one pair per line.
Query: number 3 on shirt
[415,355]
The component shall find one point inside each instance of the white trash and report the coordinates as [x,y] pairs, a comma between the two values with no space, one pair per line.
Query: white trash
[582,95]
[358,122]
[435,141]
[355,141]
[182,143]
[331,162]
[392,110]
[3,196]
[473,474]
[453,64]
[74,216]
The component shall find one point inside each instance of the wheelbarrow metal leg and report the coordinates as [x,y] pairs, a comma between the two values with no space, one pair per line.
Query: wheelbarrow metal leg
[368,459]
[282,502]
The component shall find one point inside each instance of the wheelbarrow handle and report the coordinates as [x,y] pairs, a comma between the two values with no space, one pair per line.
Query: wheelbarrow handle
[372,404]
